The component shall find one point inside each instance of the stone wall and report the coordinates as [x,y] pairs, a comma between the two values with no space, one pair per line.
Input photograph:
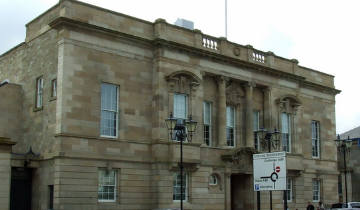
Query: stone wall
[5,172]
[22,66]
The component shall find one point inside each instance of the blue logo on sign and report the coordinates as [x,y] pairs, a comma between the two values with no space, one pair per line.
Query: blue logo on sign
[257,187]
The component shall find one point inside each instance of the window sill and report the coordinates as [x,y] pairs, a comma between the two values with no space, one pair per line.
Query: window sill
[37,109]
[109,137]
[53,98]
[106,201]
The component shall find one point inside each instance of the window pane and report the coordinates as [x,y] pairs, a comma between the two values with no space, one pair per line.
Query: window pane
[39,92]
[230,116]
[180,104]
[315,138]
[109,98]
[256,120]
[107,185]
[285,129]
[177,187]
[207,113]
[207,135]
[284,123]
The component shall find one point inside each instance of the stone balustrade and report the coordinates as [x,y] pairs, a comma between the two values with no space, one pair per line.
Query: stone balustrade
[210,43]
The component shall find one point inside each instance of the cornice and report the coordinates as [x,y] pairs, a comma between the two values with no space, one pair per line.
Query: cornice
[65,21]
[159,43]
[6,141]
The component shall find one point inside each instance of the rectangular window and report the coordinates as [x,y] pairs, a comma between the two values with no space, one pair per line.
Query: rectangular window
[230,126]
[109,110]
[39,92]
[315,139]
[286,131]
[107,185]
[51,197]
[53,88]
[180,106]
[180,109]
[256,127]
[316,190]
[177,187]
[207,123]
[289,189]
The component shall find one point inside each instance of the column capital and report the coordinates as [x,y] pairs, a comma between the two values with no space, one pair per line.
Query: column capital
[221,79]
[267,89]
[251,84]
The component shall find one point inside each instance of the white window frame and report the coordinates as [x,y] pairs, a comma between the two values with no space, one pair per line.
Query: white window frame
[105,171]
[230,126]
[39,92]
[207,123]
[54,88]
[286,133]
[315,139]
[213,179]
[177,184]
[108,110]
[289,189]
[316,186]
[256,127]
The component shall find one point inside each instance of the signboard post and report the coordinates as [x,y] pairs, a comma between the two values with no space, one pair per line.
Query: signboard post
[269,171]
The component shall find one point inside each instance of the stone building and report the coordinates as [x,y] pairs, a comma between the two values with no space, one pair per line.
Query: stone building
[353,167]
[85,97]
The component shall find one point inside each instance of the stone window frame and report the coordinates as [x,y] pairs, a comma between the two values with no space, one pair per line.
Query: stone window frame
[115,185]
[182,82]
[116,110]
[209,124]
[317,138]
[235,95]
[39,93]
[290,105]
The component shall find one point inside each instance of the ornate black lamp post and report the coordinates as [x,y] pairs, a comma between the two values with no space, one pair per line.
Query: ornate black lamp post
[183,129]
[344,146]
[269,139]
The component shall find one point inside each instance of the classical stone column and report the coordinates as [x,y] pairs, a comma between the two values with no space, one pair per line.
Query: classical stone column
[221,111]
[267,108]
[249,115]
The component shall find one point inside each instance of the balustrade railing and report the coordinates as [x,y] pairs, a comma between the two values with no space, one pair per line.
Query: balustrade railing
[258,57]
[209,43]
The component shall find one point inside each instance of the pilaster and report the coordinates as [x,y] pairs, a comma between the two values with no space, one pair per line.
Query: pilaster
[221,111]
[249,114]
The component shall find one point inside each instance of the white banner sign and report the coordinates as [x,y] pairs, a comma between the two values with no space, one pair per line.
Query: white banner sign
[269,171]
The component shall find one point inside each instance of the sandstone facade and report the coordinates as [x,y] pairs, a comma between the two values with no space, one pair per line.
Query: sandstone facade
[83,47]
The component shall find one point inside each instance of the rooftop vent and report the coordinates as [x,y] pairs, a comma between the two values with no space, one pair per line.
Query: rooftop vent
[185,23]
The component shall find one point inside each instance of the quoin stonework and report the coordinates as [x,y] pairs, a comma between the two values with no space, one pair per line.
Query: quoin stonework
[84,101]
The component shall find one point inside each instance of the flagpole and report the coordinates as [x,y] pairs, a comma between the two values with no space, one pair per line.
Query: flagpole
[225,18]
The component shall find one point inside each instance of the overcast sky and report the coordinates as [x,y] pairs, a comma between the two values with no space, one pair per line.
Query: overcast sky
[322,34]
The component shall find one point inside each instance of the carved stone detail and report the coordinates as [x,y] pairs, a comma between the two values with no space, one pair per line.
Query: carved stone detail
[234,94]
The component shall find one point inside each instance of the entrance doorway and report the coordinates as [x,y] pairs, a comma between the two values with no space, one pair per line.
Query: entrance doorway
[20,191]
[242,194]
